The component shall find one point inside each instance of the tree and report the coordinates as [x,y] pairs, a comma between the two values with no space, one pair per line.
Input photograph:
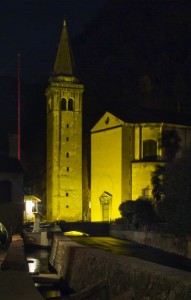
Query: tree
[175,209]
[144,213]
[170,142]
[138,213]
[157,183]
[127,210]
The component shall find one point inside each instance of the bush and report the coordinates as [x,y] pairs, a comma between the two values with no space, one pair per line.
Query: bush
[138,213]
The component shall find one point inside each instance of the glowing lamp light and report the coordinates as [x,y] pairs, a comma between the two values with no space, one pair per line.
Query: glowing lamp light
[30,206]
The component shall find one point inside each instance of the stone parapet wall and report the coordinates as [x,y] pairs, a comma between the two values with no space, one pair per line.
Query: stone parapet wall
[61,252]
[161,241]
[126,277]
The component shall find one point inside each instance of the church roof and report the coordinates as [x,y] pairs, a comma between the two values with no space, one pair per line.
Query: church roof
[64,64]
[149,115]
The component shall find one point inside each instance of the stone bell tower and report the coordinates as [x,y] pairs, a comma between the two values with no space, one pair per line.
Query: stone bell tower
[64,137]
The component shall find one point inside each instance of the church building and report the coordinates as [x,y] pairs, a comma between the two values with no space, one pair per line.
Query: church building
[125,150]
[64,137]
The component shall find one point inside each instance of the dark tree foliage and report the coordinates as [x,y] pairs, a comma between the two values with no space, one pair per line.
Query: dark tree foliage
[170,142]
[127,210]
[138,213]
[175,209]
[157,183]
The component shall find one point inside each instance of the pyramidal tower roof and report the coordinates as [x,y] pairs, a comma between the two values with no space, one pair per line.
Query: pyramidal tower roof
[64,64]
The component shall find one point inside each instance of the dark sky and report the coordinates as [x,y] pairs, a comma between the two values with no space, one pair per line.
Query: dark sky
[33,27]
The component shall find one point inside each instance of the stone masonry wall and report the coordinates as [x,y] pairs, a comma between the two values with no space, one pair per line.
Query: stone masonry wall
[161,241]
[127,278]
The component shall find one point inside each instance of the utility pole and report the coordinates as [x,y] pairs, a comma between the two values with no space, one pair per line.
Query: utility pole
[19,109]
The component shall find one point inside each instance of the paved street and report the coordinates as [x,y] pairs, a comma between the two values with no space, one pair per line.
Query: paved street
[127,248]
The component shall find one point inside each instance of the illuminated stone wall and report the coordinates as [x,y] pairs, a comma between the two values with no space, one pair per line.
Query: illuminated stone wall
[123,157]
[111,140]
[122,277]
[64,152]
[141,179]
[142,170]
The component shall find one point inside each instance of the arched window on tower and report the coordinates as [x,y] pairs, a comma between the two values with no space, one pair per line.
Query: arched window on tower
[63,104]
[150,149]
[70,104]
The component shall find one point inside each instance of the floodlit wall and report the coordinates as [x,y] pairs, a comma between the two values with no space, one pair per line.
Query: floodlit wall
[106,171]
[64,153]
[127,155]
[123,158]
[141,179]
[111,155]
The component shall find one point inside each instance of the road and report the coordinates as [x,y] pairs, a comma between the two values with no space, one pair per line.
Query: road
[132,249]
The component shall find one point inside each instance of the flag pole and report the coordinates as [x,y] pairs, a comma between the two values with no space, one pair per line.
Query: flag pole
[19,108]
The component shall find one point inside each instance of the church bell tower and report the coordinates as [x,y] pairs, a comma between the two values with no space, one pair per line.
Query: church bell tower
[64,137]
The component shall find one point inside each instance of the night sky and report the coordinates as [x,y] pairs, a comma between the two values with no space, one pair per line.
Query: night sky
[33,27]
[127,52]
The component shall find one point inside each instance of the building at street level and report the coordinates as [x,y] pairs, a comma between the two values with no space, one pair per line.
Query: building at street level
[64,137]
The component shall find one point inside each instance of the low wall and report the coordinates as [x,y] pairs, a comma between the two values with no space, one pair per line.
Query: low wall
[126,277]
[91,228]
[161,241]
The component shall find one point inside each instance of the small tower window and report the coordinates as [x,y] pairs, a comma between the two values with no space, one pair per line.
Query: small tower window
[63,104]
[70,104]
[67,154]
[67,194]
[67,125]
[67,138]
[67,169]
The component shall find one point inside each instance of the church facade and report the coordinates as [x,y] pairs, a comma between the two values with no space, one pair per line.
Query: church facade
[64,137]
[123,156]
[125,149]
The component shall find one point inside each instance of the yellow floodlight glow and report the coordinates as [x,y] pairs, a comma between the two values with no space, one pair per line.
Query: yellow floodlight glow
[75,233]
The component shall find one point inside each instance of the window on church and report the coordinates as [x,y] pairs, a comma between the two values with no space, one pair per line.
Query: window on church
[150,149]
[67,154]
[63,104]
[67,125]
[70,104]
[67,138]
[67,194]
[67,169]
